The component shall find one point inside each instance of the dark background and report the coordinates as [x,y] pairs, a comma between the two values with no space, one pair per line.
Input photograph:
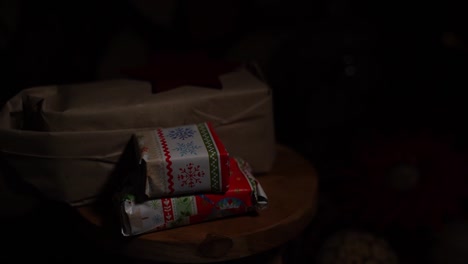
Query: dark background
[338,69]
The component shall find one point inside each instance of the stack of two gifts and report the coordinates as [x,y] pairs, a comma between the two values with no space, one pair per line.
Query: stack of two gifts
[186,176]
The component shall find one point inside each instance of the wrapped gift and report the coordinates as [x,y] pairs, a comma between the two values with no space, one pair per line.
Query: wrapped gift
[66,140]
[182,160]
[245,195]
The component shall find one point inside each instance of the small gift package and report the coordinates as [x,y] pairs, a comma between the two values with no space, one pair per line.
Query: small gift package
[244,195]
[181,160]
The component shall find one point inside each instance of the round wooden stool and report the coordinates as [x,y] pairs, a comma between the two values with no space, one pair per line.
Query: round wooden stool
[291,187]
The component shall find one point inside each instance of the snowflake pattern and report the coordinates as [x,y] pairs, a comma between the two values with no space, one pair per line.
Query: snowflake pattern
[229,203]
[181,133]
[190,175]
[157,218]
[187,148]
[155,204]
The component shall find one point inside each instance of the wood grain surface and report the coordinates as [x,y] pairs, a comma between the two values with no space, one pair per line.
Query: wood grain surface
[291,187]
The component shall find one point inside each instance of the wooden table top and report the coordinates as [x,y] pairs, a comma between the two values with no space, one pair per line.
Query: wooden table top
[291,187]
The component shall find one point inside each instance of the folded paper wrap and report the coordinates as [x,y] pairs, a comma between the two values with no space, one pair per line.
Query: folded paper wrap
[245,195]
[67,139]
[182,160]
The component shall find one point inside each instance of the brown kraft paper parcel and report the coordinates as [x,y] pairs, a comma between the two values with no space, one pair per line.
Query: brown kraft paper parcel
[66,140]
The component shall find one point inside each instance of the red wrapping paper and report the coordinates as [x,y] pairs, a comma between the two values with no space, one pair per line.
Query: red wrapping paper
[245,195]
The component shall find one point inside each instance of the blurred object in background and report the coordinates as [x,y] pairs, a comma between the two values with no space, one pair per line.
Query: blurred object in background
[161,13]
[354,246]
[322,74]
[9,19]
[409,180]
[9,14]
[57,42]
[452,244]
[126,49]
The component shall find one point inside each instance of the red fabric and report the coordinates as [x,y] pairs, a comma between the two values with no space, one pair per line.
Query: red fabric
[166,71]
